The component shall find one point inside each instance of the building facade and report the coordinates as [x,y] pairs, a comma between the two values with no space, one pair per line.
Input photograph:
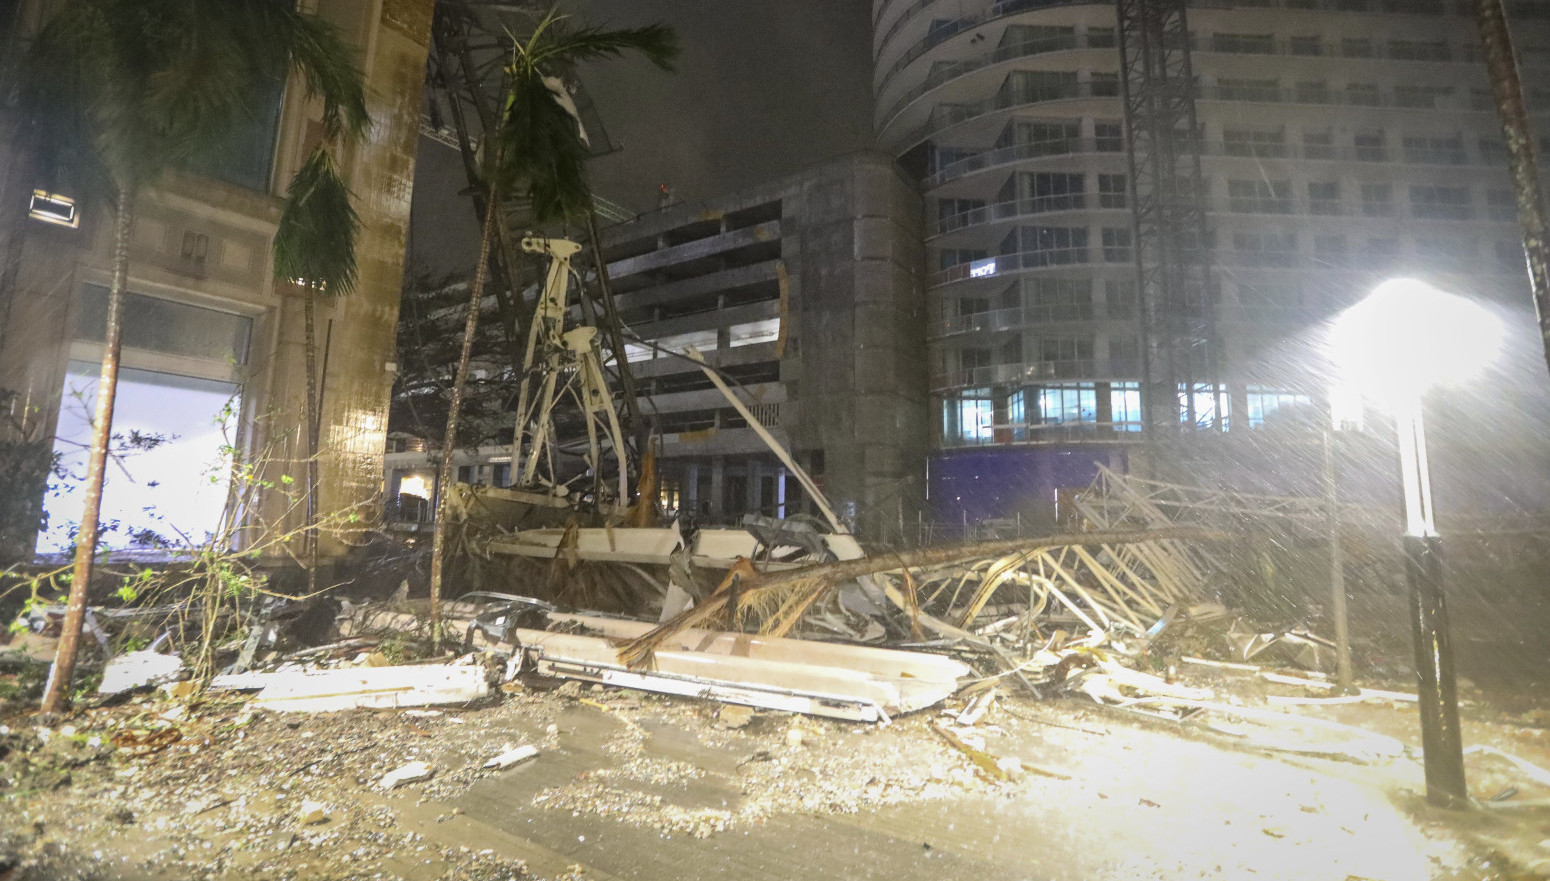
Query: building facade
[213,346]
[807,292]
[1343,142]
[805,295]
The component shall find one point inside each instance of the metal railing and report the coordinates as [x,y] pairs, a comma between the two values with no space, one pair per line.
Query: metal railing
[1216,149]
[1034,372]
[1014,7]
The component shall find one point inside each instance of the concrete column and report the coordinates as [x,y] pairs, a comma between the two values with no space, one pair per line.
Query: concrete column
[690,490]
[718,479]
[754,502]
[780,492]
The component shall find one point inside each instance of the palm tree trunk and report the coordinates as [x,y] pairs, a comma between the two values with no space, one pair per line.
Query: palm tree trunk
[444,473]
[58,687]
[314,421]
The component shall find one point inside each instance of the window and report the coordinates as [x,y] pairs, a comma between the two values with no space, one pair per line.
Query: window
[1244,44]
[1059,299]
[1440,203]
[1318,145]
[950,257]
[1356,47]
[1116,245]
[1305,46]
[1064,355]
[1420,50]
[1378,200]
[1501,204]
[973,306]
[955,213]
[753,333]
[973,358]
[1248,142]
[1259,196]
[1109,137]
[1047,245]
[975,416]
[1125,405]
[1124,353]
[1263,402]
[1033,86]
[1313,92]
[1112,191]
[1119,297]
[1324,198]
[1038,39]
[1265,248]
[1424,97]
[1363,95]
[1249,90]
[1068,404]
[179,379]
[1046,138]
[1052,191]
[1329,251]
[1101,38]
[1371,146]
[1493,151]
[246,157]
[1105,85]
[1445,150]
[1203,401]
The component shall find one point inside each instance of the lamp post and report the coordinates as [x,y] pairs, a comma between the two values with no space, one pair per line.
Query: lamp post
[1404,339]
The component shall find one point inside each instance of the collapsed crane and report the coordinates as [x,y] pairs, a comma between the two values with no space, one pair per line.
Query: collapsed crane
[1180,377]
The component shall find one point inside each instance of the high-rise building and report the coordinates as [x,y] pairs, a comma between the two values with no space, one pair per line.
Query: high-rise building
[1340,142]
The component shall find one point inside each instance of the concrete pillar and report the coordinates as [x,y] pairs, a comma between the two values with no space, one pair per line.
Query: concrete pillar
[690,491]
[754,503]
[718,479]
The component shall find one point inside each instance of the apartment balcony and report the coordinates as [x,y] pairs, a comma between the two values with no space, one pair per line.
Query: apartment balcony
[1001,264]
[1000,320]
[926,34]
[1212,151]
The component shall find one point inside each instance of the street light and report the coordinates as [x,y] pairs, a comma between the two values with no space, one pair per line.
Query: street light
[1404,339]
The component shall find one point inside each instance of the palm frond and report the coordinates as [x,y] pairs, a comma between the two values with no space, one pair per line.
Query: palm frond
[540,145]
[552,45]
[315,242]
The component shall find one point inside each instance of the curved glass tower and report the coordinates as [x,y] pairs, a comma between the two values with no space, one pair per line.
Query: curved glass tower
[1341,142]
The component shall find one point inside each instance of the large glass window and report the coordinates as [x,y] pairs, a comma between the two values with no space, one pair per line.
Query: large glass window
[1263,401]
[970,417]
[166,491]
[1203,401]
[1125,405]
[1068,404]
[247,156]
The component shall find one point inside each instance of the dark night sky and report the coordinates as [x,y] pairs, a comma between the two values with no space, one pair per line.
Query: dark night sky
[763,88]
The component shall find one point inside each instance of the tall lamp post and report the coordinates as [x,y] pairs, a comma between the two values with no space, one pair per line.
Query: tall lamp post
[1404,339]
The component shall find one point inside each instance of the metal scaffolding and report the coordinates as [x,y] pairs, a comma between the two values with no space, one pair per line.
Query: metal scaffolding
[1181,385]
[471,42]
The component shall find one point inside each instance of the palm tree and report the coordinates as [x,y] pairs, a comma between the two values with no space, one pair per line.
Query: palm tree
[539,150]
[130,89]
[315,248]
